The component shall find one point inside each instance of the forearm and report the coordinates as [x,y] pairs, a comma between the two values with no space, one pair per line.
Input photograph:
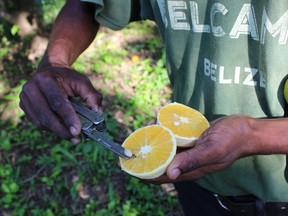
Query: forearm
[73,31]
[268,136]
[226,140]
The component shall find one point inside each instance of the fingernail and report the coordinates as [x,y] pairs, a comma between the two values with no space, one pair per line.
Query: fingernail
[174,173]
[98,109]
[75,140]
[73,131]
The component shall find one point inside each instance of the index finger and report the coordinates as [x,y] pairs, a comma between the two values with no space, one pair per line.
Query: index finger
[188,161]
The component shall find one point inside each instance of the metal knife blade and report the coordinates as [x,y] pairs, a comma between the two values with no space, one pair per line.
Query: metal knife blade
[106,142]
[93,126]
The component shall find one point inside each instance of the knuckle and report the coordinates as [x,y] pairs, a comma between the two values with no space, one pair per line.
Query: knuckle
[189,165]
[56,105]
[64,134]
[43,77]
[35,121]
[38,76]
[38,125]
[26,88]
[193,166]
[43,120]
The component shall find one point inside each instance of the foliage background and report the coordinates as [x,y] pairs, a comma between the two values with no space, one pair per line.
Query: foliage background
[41,174]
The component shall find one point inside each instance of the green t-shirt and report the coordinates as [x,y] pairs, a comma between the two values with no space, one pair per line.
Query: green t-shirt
[223,57]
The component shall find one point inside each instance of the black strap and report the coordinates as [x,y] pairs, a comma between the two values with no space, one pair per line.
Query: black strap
[252,206]
[260,208]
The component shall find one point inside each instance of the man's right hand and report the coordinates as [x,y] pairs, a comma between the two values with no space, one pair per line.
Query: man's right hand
[44,99]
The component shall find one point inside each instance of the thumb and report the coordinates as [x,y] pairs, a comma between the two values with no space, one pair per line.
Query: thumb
[183,162]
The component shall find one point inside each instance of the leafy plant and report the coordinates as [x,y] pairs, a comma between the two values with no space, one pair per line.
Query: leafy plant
[41,174]
[48,9]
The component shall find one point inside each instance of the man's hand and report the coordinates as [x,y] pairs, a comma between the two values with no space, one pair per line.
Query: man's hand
[44,99]
[219,146]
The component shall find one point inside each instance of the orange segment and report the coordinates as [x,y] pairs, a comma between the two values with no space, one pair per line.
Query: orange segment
[186,123]
[154,147]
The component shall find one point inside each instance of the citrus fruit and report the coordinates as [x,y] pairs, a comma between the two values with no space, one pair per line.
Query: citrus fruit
[186,123]
[154,147]
[286,91]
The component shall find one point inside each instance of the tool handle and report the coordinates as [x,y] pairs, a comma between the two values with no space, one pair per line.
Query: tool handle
[86,115]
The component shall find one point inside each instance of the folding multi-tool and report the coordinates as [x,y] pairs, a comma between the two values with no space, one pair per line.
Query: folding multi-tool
[93,126]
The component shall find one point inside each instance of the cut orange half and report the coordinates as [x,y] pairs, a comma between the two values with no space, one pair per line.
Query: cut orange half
[186,123]
[154,147]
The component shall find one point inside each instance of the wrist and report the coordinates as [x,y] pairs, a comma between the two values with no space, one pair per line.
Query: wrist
[56,55]
[47,63]
[245,134]
[268,136]
[253,137]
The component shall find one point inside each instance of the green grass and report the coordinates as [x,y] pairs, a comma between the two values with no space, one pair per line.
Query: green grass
[40,174]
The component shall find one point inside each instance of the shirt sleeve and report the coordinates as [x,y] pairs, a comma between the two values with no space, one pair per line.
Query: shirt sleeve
[114,14]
